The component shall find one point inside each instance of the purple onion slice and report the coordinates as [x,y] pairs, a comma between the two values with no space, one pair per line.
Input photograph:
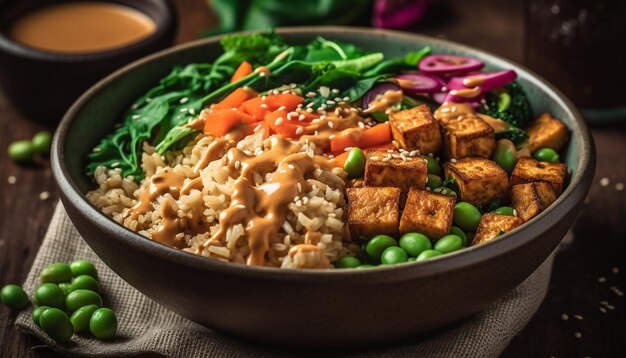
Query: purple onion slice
[420,82]
[377,90]
[487,81]
[442,64]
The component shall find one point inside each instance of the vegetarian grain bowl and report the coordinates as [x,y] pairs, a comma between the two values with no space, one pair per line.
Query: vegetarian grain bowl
[277,187]
[324,155]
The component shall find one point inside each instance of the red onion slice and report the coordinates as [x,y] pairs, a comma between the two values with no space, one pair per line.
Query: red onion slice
[487,81]
[377,90]
[442,64]
[420,83]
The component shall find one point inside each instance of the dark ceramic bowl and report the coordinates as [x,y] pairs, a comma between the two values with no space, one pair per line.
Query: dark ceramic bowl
[43,85]
[329,308]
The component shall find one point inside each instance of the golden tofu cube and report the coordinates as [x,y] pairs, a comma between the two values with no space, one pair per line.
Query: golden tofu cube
[469,136]
[493,225]
[531,198]
[479,181]
[427,213]
[546,132]
[529,171]
[416,129]
[373,211]
[393,170]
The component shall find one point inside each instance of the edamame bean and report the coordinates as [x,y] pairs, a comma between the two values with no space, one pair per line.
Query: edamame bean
[355,163]
[466,216]
[37,311]
[50,294]
[455,230]
[80,319]
[103,323]
[56,324]
[432,165]
[546,155]
[504,210]
[504,101]
[56,273]
[21,151]
[347,262]
[415,243]
[83,267]
[411,259]
[433,181]
[505,155]
[85,282]
[448,244]
[425,255]
[365,266]
[393,255]
[65,287]
[378,244]
[14,297]
[79,298]
[41,142]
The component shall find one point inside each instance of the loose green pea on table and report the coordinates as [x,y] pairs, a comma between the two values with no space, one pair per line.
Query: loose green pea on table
[14,297]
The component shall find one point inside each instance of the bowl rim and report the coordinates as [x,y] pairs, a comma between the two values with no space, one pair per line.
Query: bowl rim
[571,197]
[163,27]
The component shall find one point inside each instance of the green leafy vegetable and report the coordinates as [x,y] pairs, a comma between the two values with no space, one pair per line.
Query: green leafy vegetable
[518,113]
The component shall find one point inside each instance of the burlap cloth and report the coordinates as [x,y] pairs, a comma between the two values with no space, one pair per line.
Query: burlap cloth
[147,328]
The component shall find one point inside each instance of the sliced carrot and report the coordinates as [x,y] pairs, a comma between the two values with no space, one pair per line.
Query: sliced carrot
[340,159]
[287,100]
[246,117]
[377,135]
[308,117]
[219,121]
[234,99]
[254,108]
[279,124]
[244,69]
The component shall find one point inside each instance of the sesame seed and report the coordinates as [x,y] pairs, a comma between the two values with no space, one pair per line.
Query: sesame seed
[604,303]
[192,111]
[11,179]
[453,160]
[278,121]
[290,166]
[97,149]
[578,317]
[577,335]
[263,98]
[285,92]
[237,164]
[305,200]
[263,105]
[617,291]
[601,279]
[324,91]
[335,91]
[116,164]
[183,100]
[310,94]
[183,110]
[299,130]
[310,105]
[299,188]
[309,110]
[282,108]
[619,186]
[564,317]
[615,270]
[347,149]
[346,98]
[603,310]
[331,125]
[44,195]
[136,116]
[329,102]
[605,181]
[611,307]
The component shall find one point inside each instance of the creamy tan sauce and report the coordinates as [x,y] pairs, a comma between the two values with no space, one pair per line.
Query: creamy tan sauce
[467,92]
[384,101]
[75,27]
[473,81]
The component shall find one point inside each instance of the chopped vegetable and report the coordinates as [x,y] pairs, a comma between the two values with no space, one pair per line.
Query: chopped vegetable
[219,122]
[449,64]
[242,71]
[378,134]
[420,83]
[518,112]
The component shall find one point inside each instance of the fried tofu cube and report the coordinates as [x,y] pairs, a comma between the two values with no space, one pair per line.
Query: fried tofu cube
[546,132]
[529,171]
[493,225]
[373,211]
[427,213]
[480,181]
[416,129]
[531,198]
[469,136]
[393,170]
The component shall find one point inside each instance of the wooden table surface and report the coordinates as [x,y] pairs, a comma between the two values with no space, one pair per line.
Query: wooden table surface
[594,251]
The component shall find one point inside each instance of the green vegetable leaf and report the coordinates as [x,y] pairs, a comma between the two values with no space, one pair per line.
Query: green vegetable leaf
[396,65]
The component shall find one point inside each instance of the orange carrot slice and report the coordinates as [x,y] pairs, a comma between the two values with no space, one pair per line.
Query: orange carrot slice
[377,135]
[244,69]
[234,99]
[219,121]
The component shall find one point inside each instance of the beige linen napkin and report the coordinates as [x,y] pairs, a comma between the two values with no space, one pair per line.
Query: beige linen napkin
[148,328]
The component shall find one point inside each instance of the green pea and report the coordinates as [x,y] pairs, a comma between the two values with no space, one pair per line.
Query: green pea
[84,282]
[378,244]
[56,324]
[65,287]
[433,181]
[466,216]
[380,117]
[37,314]
[355,163]
[411,259]
[41,142]
[393,255]
[14,297]
[83,267]
[56,273]
[365,266]
[504,101]
[455,230]
[433,165]
[505,155]
[504,210]
[448,244]
[50,294]
[21,151]
[103,323]
[80,318]
[546,155]
[425,255]
[347,262]
[79,298]
[415,243]
[445,191]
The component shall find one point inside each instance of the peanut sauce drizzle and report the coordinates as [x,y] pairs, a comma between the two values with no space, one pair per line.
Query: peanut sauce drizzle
[382,102]
[473,81]
[467,92]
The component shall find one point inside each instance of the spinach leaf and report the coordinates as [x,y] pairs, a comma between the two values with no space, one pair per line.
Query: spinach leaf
[395,65]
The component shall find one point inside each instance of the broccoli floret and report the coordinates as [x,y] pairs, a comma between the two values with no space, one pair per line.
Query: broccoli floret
[518,112]
[516,135]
